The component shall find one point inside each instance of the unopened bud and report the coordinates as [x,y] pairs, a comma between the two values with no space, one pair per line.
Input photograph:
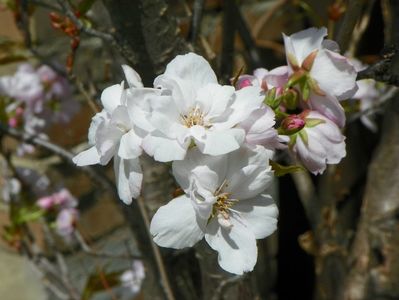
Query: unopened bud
[291,98]
[13,122]
[292,124]
[244,81]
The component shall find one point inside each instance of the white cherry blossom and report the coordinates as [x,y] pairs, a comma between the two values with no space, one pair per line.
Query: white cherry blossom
[112,134]
[331,76]
[225,202]
[318,143]
[195,109]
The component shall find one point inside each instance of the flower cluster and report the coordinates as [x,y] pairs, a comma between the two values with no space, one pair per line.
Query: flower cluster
[63,205]
[33,99]
[220,139]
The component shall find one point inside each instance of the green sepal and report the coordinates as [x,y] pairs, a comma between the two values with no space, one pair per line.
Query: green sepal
[304,136]
[305,90]
[296,78]
[280,170]
[312,122]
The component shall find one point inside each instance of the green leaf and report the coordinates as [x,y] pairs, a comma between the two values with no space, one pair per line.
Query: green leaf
[280,170]
[20,214]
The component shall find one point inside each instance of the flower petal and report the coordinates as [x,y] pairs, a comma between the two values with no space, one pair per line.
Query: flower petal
[162,148]
[128,177]
[328,106]
[259,214]
[87,157]
[191,67]
[175,224]
[130,145]
[111,97]
[208,170]
[302,43]
[236,246]
[221,142]
[249,172]
[334,74]
[132,77]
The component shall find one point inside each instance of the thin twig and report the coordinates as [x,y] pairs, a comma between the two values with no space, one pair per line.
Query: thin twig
[307,194]
[265,18]
[64,273]
[67,9]
[90,251]
[227,55]
[348,24]
[245,33]
[198,8]
[223,285]
[23,26]
[65,154]
[383,70]
[89,99]
[157,254]
[382,101]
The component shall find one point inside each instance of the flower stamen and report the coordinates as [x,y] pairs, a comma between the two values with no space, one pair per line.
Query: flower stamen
[194,117]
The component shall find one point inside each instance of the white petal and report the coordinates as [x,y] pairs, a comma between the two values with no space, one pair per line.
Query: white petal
[249,172]
[99,118]
[330,45]
[128,177]
[277,77]
[111,97]
[132,77]
[334,74]
[182,91]
[246,101]
[236,246]
[302,43]
[213,99]
[315,163]
[259,214]
[130,145]
[162,148]
[175,224]
[208,166]
[107,139]
[87,157]
[202,199]
[120,118]
[328,106]
[221,142]
[191,67]
[166,117]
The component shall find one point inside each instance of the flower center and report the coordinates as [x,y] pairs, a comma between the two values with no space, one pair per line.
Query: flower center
[194,117]
[222,206]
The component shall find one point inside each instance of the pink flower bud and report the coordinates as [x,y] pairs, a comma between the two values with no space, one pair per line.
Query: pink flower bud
[46,203]
[13,122]
[292,124]
[245,81]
